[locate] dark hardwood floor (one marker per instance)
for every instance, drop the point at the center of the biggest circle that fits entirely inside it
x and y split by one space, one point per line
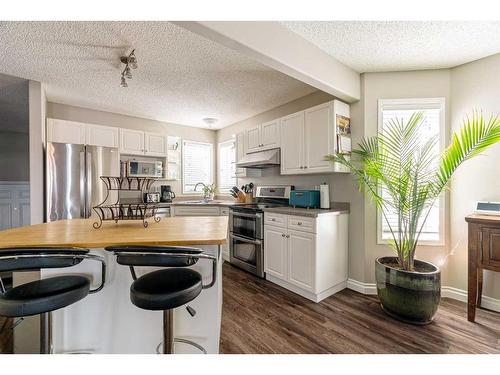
261 317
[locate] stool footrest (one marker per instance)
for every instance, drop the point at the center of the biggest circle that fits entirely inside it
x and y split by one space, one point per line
184 341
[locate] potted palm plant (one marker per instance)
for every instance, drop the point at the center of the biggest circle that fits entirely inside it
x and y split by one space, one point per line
405 177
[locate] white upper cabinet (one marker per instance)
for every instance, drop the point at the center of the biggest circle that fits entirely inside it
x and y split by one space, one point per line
105 136
319 138
63 131
270 135
252 137
263 137
132 141
240 153
292 143
155 144
306 142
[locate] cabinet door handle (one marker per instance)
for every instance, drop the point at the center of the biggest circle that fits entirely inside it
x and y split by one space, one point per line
299 223
287 236
282 234
273 219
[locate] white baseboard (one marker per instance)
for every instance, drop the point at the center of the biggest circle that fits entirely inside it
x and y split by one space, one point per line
446 291
363 288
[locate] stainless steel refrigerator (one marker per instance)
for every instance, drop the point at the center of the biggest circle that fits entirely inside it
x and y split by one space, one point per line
73 179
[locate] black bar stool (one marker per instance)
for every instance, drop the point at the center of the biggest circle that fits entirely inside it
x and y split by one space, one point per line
45 295
165 289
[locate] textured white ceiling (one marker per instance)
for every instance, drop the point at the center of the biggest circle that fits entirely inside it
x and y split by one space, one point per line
182 77
402 45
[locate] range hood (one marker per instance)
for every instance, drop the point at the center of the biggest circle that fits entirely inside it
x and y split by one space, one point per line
260 159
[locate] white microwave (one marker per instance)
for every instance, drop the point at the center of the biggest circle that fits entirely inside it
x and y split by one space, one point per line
145 169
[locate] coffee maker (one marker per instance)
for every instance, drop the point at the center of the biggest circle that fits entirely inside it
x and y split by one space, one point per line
166 194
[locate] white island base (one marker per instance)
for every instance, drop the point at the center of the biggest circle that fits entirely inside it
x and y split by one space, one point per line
108 322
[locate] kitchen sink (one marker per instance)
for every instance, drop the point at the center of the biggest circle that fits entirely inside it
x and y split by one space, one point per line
199 202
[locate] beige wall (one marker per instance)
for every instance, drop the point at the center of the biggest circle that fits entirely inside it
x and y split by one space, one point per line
398 85
475 85
342 186
80 114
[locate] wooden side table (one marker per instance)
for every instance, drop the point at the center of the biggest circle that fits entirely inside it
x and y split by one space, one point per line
483 254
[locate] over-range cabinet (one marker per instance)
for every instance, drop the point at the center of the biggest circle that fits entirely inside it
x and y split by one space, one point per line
73 184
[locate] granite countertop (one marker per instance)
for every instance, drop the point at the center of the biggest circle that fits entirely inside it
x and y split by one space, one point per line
335 208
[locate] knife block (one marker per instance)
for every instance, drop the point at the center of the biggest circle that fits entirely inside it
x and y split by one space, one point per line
244 197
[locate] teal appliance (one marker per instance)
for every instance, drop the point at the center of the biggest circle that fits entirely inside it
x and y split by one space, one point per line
305 198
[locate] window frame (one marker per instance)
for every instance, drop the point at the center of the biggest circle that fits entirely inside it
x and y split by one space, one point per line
219 169
417 104
184 141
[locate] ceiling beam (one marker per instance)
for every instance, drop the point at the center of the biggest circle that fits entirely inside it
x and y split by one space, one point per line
272 44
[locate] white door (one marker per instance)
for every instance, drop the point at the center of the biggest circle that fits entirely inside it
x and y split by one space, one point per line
63 131
318 129
253 139
301 253
240 152
155 144
105 136
292 143
275 252
270 135
131 142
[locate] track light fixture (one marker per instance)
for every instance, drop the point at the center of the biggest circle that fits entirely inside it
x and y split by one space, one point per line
130 61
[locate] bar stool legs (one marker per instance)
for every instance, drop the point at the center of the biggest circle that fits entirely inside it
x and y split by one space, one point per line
46 333
168 332
168 336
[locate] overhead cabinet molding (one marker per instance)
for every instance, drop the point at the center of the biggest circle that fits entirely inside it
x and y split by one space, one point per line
63 131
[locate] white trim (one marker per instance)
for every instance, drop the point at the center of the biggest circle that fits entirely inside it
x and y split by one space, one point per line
315 297
446 292
418 103
184 141
219 146
363 288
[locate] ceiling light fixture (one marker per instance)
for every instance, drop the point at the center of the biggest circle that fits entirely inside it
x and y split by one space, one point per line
210 121
130 61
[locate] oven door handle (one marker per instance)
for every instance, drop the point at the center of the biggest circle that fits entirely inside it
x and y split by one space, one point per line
257 215
247 240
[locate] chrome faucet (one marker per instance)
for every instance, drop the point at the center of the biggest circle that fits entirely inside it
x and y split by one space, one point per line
199 183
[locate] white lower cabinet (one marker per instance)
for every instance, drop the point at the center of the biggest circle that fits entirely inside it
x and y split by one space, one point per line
275 252
312 261
301 253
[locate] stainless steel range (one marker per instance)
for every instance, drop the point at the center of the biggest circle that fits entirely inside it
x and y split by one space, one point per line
246 228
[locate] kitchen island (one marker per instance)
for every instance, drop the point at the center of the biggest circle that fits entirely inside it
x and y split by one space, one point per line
107 322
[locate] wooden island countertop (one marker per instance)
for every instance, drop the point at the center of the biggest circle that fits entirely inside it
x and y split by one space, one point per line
171 231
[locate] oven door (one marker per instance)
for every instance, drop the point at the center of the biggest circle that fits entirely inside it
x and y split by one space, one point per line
247 254
246 224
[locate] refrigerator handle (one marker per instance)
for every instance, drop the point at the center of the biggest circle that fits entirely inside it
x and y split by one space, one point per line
88 177
83 198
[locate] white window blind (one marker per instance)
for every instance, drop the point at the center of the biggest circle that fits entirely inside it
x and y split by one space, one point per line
227 164
196 165
431 127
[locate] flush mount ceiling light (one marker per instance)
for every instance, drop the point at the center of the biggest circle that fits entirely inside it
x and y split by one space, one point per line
130 62
210 121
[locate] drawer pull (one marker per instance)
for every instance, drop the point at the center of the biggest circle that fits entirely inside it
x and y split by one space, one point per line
299 223
287 236
273 219
282 235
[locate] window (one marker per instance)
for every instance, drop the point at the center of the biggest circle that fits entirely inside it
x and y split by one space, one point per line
196 165
434 111
227 159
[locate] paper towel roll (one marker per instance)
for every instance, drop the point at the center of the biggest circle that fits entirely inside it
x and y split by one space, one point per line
324 193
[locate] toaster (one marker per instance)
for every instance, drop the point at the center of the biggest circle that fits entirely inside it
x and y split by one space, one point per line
304 198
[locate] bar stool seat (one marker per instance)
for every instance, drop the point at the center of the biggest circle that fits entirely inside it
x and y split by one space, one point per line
44 295
166 289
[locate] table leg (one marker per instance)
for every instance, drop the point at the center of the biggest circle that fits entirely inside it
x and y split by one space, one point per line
479 286
474 242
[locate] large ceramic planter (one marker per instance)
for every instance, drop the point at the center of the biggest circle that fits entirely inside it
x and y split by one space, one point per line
412 297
